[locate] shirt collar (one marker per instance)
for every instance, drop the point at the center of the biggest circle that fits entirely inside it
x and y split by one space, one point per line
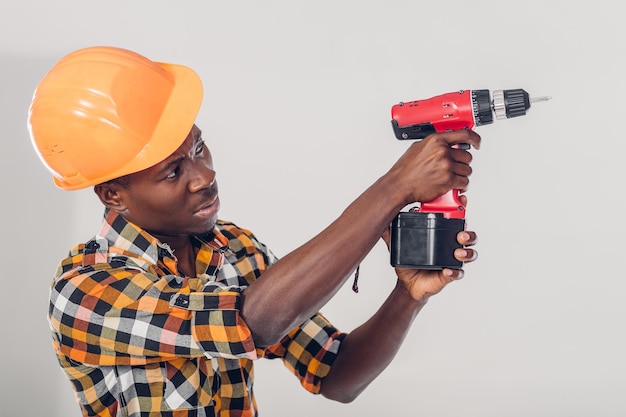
121 233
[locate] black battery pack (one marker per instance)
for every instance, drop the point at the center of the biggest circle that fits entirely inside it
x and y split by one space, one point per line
425 241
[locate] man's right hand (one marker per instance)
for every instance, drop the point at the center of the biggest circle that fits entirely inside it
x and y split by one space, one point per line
433 166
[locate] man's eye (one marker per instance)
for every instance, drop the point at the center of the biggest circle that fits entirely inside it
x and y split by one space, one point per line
173 174
199 148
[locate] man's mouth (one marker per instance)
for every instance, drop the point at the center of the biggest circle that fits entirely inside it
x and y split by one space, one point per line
208 206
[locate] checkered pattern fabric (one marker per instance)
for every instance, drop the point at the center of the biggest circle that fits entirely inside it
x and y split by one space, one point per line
138 339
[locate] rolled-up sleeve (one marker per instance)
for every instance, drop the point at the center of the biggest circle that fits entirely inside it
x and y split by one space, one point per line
309 351
216 323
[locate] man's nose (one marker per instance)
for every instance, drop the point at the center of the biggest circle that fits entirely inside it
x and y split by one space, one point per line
203 176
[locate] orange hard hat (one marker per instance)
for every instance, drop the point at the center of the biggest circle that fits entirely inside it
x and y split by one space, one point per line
104 112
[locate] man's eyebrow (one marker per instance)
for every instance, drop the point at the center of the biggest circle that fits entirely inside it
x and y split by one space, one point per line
168 166
196 140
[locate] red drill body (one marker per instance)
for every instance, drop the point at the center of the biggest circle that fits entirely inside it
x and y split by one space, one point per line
450 111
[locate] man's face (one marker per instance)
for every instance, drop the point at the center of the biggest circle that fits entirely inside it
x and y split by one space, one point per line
176 197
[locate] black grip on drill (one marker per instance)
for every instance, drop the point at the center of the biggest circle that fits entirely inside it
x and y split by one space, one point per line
413 132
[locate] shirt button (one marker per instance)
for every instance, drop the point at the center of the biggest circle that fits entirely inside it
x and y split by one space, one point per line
180 300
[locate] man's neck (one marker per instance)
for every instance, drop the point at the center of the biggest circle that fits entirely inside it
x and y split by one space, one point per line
184 251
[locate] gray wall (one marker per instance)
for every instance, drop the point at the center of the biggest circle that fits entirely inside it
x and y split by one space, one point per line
300 92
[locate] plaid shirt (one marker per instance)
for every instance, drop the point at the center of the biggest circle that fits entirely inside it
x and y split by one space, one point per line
138 339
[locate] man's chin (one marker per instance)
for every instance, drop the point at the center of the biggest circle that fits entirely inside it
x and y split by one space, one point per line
207 226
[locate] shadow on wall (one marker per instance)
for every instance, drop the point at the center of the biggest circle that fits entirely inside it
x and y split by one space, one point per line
36 234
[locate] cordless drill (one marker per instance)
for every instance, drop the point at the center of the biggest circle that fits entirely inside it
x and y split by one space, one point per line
426 236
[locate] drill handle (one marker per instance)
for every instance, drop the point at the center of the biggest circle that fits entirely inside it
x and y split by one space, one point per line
449 204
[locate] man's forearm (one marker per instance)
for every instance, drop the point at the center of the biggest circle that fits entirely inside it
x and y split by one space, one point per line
298 285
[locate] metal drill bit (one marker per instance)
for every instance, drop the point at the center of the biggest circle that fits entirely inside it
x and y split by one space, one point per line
541 98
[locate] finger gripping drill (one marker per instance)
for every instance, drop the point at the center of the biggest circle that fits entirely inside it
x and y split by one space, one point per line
426 237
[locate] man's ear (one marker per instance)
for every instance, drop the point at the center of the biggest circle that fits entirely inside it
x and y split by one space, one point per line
110 195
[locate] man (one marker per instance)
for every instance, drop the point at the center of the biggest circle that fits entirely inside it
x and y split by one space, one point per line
163 312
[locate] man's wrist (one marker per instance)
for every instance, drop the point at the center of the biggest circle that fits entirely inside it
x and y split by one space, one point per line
406 299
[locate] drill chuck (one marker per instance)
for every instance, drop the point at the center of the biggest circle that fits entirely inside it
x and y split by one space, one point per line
510 103
504 104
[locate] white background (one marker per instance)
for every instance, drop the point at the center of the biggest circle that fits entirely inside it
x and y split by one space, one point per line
297 115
